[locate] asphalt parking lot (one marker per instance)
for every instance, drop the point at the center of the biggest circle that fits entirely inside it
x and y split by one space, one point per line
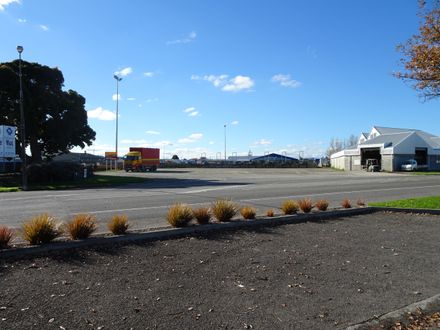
146 204
312 275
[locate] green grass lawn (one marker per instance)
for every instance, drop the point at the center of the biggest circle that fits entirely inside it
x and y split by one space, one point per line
14 183
413 203
426 173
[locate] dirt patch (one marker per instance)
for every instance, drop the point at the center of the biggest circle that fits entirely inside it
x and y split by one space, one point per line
305 276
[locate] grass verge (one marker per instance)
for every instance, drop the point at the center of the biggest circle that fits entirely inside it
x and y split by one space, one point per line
412 203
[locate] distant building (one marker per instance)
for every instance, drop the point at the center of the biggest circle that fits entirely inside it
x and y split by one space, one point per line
78 157
390 147
270 158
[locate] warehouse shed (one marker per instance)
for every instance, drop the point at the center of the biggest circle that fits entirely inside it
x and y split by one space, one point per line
391 147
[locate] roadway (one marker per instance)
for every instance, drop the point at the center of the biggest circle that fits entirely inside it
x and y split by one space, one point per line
146 204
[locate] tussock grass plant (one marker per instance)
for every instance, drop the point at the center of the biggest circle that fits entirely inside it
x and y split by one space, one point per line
81 226
202 215
360 202
223 210
248 212
6 235
322 205
305 205
289 207
179 215
270 213
346 203
118 224
41 229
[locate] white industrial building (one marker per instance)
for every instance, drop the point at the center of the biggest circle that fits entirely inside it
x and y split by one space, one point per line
391 147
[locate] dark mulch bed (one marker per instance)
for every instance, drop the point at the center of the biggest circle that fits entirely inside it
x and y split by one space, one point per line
315 275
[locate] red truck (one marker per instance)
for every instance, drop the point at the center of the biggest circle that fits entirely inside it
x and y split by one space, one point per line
142 159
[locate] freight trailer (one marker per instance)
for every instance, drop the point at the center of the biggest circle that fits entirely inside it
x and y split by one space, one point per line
142 159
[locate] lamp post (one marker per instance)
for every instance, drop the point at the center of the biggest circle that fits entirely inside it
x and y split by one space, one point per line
118 79
22 124
225 141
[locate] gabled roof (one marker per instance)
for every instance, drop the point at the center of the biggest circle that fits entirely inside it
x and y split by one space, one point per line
391 130
388 140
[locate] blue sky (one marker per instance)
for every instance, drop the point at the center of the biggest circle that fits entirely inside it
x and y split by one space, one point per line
284 76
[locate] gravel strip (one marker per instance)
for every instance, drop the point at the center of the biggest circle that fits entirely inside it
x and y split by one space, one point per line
312 275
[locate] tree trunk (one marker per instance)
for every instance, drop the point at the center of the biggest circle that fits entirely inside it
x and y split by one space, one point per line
35 150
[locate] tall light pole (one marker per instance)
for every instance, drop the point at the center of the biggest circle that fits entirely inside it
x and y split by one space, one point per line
22 124
118 79
225 141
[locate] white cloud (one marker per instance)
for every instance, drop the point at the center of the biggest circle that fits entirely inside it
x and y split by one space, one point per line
152 100
130 98
235 122
4 3
193 114
238 83
152 132
149 74
128 141
190 37
44 27
124 72
190 109
261 142
101 114
191 139
116 97
211 142
21 20
285 80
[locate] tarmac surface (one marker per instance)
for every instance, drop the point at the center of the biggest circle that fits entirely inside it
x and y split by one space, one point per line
146 204
312 275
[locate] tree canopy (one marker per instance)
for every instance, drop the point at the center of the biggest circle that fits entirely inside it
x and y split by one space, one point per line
421 53
56 120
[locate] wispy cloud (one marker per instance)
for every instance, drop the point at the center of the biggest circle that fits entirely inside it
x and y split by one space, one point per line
190 37
261 142
149 74
130 98
191 139
44 27
116 97
128 141
193 114
285 81
4 3
235 84
152 132
22 20
190 109
101 114
155 99
124 72
211 142
235 122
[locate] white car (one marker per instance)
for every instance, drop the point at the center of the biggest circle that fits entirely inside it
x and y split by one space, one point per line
409 165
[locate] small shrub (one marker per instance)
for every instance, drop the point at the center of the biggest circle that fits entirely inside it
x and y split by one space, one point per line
322 205
305 205
346 203
179 215
6 235
202 215
270 213
81 226
289 207
224 210
118 224
360 202
41 229
248 212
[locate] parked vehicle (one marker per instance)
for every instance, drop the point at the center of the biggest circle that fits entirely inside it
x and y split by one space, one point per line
411 165
372 165
142 159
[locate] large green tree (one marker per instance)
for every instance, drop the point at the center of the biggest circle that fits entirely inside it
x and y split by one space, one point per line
421 53
55 120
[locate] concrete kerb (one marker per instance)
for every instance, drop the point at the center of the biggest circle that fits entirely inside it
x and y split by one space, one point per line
398 314
170 233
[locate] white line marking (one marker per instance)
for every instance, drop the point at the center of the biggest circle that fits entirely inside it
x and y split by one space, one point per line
210 189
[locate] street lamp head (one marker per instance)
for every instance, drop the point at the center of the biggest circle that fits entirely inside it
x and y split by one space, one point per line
19 49
117 78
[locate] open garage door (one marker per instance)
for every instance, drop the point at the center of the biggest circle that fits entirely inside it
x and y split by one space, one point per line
371 153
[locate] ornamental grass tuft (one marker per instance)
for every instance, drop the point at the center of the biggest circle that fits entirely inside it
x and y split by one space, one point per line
118 224
305 205
346 203
224 210
81 226
270 213
202 215
289 207
248 212
179 215
41 229
6 235
322 205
